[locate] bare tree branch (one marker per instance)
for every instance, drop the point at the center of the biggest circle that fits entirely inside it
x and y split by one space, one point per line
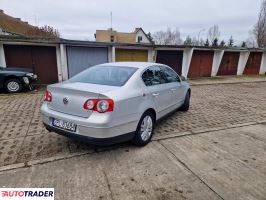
168 37
259 30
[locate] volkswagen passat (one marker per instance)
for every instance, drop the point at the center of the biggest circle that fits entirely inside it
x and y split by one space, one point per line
114 102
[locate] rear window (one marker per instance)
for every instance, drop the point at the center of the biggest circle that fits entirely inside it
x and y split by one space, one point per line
105 75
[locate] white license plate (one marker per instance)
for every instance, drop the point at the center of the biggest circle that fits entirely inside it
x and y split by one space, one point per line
64 125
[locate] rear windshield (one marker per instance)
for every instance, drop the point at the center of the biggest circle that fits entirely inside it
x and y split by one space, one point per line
105 75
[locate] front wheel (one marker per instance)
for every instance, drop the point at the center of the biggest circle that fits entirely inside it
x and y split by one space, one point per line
13 85
145 129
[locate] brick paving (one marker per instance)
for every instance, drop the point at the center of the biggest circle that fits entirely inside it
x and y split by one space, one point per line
23 138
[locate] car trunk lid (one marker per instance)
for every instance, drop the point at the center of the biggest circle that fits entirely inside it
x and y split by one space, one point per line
69 98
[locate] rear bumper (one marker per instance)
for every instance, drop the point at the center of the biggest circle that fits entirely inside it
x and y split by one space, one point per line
91 140
92 129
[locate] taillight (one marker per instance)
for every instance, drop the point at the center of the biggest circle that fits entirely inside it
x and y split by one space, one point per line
99 105
47 96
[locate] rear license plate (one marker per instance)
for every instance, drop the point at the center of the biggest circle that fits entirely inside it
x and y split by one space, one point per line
64 125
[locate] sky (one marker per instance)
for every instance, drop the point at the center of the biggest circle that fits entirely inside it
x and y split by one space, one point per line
79 19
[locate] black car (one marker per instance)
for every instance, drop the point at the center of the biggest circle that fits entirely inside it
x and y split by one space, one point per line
15 79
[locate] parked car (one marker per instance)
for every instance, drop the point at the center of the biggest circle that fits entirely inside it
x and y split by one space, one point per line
15 79
114 102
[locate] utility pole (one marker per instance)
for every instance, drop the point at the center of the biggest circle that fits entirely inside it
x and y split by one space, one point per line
111 20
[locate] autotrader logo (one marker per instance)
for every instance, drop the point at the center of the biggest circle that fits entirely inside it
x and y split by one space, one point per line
27 193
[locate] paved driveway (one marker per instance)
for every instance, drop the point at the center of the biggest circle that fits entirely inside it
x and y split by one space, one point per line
217 150
23 137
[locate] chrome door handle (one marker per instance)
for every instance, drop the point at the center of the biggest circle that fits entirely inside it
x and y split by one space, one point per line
155 94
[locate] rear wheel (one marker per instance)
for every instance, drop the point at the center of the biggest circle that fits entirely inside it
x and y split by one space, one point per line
145 129
13 85
185 106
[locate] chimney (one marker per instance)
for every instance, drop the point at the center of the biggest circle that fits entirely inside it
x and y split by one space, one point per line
136 29
26 22
1 11
18 19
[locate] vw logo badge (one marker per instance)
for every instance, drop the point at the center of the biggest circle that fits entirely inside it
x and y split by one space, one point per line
65 100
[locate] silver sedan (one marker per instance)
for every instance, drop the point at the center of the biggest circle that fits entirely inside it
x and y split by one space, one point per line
114 102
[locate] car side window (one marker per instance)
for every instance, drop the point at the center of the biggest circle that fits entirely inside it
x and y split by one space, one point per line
153 76
170 75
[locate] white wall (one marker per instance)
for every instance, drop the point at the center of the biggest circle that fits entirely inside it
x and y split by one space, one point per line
63 60
144 37
2 56
187 55
263 64
113 55
151 55
218 55
59 64
243 58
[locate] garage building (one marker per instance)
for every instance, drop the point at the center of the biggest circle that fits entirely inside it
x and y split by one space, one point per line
138 55
41 59
171 58
81 58
229 64
201 63
253 63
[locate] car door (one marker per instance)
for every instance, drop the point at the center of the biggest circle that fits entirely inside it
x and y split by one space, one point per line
175 86
156 89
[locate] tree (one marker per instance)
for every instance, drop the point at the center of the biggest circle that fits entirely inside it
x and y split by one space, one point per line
195 41
222 44
259 30
244 44
214 33
251 41
202 42
231 42
207 43
215 42
188 41
168 37
150 37
46 31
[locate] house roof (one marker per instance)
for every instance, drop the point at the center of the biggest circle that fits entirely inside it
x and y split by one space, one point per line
15 26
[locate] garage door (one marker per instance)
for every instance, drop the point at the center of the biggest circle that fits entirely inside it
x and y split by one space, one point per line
201 63
229 64
131 55
81 58
41 59
171 58
253 63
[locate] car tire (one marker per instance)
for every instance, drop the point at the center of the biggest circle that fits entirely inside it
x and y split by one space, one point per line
145 129
185 106
13 85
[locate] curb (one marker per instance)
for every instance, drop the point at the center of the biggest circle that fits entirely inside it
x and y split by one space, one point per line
221 83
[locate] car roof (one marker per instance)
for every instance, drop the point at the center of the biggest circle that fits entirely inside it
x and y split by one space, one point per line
140 65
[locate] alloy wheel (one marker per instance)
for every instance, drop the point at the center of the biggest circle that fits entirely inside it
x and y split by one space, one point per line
146 128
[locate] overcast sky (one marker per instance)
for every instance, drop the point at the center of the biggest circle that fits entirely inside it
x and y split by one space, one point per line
78 19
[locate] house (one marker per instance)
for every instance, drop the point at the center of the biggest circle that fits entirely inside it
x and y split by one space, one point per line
138 36
16 27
